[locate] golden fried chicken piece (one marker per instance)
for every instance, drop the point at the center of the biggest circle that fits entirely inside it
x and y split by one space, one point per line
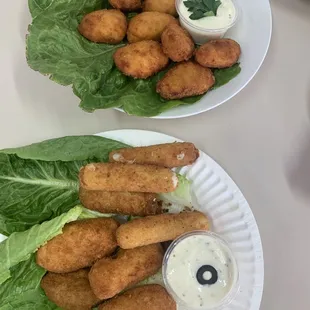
126 5
80 245
148 26
141 59
150 297
110 276
186 79
104 26
177 43
70 290
221 53
163 6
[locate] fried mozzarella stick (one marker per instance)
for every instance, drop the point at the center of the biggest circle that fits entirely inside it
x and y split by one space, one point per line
127 203
69 290
127 178
168 155
159 228
109 276
80 245
150 297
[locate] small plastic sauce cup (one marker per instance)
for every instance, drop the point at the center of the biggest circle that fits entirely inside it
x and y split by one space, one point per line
201 35
175 293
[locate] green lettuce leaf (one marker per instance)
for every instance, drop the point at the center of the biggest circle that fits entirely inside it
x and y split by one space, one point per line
33 191
38 188
19 246
55 48
22 291
68 149
223 76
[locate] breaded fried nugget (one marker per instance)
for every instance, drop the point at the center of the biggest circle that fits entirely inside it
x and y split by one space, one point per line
150 297
126 5
177 43
148 26
168 155
186 79
140 60
127 203
104 26
109 276
163 6
159 228
117 177
80 245
221 53
69 290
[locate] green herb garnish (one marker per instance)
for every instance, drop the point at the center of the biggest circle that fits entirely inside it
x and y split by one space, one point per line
202 8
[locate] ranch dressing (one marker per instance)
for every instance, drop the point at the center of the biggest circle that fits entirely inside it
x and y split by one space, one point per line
210 27
201 271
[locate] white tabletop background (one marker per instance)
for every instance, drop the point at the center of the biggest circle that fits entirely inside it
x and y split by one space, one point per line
261 137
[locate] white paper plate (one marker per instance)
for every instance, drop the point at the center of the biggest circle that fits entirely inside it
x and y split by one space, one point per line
220 198
253 33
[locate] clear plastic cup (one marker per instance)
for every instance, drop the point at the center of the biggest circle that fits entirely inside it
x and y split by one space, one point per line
201 35
174 289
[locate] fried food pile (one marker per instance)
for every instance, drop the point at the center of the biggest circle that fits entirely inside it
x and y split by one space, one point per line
100 261
155 36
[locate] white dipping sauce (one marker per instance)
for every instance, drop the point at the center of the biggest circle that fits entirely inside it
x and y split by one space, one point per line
210 27
187 257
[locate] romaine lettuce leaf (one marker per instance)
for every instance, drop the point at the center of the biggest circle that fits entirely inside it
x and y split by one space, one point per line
68 149
22 291
18 247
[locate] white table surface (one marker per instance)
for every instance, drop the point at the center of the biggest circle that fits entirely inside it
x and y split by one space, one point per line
261 137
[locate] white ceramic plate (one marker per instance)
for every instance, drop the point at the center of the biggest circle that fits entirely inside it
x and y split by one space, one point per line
253 33
220 198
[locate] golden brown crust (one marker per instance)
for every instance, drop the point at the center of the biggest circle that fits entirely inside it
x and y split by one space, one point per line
163 6
127 203
140 60
109 276
168 155
221 53
126 5
104 26
148 26
159 228
80 245
150 297
69 290
177 43
117 177
185 79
